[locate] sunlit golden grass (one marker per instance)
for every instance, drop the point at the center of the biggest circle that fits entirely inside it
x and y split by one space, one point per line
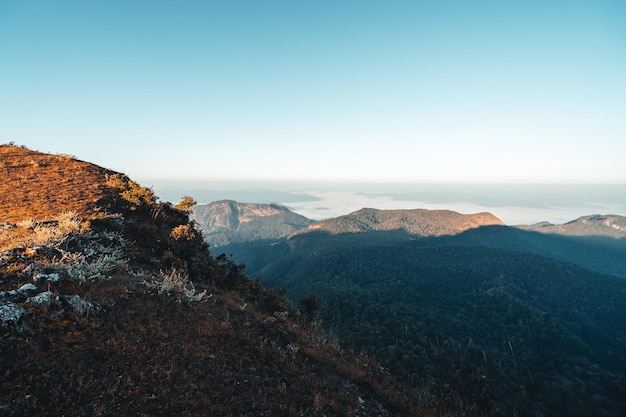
29 233
40 186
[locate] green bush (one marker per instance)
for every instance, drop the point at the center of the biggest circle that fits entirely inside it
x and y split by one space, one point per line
131 191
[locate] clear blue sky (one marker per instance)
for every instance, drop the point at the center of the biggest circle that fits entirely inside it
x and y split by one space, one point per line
402 91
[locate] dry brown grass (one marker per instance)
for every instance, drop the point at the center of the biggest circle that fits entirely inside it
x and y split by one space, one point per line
40 186
29 233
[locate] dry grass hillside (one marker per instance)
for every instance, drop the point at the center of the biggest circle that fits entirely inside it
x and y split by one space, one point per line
39 186
111 304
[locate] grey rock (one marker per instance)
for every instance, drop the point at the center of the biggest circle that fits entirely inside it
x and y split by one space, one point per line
10 312
79 305
27 287
54 277
40 300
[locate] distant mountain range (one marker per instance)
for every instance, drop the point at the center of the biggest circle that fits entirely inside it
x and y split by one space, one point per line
227 222
596 241
530 320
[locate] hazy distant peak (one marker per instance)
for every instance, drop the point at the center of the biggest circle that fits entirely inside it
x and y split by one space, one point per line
228 221
611 221
229 213
416 221
608 225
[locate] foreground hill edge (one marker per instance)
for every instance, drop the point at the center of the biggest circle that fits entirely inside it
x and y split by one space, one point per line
117 307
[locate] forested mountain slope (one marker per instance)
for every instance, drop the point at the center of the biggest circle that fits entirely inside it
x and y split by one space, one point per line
525 333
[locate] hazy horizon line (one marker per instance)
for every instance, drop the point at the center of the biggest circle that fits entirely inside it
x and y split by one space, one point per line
365 183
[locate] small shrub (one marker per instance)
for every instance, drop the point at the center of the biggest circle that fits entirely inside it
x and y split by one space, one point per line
131 191
309 307
176 282
95 257
26 224
184 232
80 268
115 181
68 222
235 273
185 204
88 256
138 195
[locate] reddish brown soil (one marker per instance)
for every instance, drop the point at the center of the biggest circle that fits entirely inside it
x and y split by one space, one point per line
39 186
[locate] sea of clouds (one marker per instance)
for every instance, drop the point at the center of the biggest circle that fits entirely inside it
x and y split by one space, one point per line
513 204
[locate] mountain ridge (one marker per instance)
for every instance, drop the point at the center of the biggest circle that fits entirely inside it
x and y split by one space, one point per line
593 241
421 222
226 222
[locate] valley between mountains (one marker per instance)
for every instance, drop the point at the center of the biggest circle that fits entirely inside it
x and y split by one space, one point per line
527 320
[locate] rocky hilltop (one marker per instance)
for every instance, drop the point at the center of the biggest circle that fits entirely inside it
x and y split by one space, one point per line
419 222
225 222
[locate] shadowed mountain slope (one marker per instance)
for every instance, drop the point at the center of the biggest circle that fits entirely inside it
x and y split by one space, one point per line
477 315
594 251
593 242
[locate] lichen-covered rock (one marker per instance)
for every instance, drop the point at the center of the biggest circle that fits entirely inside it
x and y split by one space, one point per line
54 277
10 312
79 305
43 299
27 287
